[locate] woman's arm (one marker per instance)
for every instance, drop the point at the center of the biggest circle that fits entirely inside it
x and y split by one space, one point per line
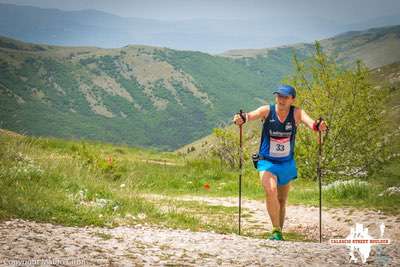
302 116
260 113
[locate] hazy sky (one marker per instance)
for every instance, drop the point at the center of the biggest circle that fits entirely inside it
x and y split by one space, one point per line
338 10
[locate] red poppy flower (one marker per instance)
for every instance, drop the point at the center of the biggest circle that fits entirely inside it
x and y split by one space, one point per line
206 186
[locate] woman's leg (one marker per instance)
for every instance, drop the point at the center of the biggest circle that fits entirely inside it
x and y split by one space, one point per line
269 182
283 192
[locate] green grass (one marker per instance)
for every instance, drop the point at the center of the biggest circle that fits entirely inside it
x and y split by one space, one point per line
75 183
366 194
81 183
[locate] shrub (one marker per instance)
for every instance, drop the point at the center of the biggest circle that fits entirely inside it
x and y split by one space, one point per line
353 108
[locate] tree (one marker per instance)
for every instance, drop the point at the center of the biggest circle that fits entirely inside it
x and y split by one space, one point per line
354 109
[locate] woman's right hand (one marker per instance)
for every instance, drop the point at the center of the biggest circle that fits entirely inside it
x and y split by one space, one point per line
237 119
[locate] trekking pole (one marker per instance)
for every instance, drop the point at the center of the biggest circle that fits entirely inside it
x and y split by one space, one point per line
319 174
240 167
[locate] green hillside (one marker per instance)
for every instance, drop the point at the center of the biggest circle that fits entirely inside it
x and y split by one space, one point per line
389 76
134 95
148 96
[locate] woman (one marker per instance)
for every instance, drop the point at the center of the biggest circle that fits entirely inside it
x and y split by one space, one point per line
276 165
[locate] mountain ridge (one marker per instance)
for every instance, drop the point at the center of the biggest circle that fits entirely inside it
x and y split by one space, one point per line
149 96
98 28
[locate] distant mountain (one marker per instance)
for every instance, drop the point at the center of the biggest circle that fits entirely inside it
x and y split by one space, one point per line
73 28
95 28
375 47
151 96
375 23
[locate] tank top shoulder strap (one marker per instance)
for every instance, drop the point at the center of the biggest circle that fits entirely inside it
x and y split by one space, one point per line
271 112
291 114
266 120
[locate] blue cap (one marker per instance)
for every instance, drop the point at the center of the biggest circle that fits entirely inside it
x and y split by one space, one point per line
286 90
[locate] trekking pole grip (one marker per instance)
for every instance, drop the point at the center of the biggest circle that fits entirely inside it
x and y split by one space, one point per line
242 115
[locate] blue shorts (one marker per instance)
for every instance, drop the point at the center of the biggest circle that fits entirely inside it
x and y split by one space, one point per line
284 171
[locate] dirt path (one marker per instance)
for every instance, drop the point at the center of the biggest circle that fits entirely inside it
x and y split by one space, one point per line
336 223
25 243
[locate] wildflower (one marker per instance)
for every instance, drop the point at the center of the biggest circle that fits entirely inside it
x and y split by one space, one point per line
110 160
122 185
206 186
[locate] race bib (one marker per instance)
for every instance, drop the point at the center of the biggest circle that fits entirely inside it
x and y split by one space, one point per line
279 147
